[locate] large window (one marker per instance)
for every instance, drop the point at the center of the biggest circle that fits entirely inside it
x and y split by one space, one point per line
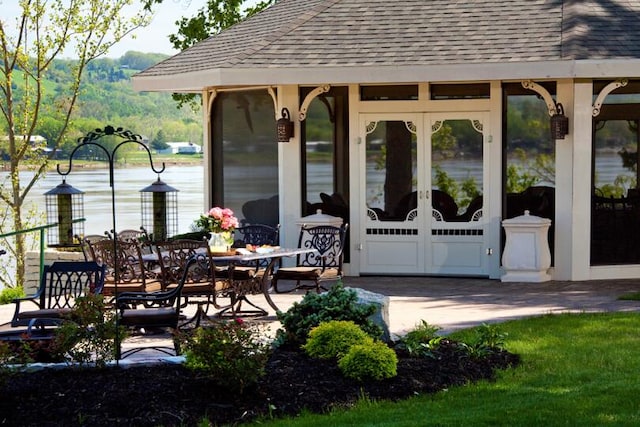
615 207
529 155
244 169
325 159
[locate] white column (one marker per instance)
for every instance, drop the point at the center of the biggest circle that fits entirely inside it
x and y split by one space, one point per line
206 149
289 169
573 184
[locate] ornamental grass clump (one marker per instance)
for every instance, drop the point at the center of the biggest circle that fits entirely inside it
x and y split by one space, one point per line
231 354
375 361
332 340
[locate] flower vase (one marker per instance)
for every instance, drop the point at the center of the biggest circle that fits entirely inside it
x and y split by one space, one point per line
220 242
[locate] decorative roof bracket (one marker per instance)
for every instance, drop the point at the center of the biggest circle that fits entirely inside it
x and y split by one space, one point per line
597 105
540 90
274 97
212 97
307 100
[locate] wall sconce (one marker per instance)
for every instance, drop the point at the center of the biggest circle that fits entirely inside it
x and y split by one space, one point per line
284 127
64 205
159 203
559 123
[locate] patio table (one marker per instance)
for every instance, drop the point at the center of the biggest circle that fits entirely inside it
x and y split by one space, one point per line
257 285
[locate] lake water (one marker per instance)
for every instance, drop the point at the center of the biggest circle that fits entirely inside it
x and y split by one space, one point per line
189 180
128 182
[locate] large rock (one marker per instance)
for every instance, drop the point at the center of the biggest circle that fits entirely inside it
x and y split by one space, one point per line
381 316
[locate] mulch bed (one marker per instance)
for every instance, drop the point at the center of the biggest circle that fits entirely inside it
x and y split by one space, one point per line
168 395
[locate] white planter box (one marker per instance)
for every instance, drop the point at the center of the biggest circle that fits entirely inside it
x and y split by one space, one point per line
32 267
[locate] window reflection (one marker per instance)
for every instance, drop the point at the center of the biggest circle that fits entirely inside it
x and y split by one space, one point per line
456 170
391 168
245 156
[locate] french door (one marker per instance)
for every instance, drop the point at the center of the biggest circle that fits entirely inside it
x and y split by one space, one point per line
424 179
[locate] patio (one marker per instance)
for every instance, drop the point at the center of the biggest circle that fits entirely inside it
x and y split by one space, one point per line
451 303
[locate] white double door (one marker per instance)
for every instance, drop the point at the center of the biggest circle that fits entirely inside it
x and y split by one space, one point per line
423 206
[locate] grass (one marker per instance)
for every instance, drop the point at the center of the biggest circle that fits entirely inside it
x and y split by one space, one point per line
577 369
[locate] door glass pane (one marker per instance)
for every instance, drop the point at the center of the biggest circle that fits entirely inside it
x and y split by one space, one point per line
456 170
391 170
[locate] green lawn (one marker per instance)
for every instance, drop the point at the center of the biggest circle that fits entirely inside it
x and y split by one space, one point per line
577 370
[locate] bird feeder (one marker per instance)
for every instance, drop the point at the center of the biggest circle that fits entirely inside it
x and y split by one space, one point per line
65 207
159 203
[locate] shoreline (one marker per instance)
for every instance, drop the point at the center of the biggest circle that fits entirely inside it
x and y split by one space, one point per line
97 165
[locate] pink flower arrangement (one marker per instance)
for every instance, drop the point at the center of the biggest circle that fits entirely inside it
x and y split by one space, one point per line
218 220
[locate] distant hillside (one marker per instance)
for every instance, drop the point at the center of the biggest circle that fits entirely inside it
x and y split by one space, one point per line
107 97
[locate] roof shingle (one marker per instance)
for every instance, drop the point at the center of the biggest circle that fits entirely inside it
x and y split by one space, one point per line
350 33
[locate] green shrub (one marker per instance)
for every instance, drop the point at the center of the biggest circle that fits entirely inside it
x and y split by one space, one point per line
369 361
336 304
88 333
332 340
229 353
420 341
9 294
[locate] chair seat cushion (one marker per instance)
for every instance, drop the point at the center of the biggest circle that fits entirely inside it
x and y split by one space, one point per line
307 273
110 288
156 316
201 288
298 273
46 313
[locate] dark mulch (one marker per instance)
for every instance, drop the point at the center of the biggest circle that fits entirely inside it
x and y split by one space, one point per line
168 395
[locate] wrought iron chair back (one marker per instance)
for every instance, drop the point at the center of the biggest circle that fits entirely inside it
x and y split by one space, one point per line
131 235
257 235
86 241
173 257
322 265
131 274
61 283
201 286
327 240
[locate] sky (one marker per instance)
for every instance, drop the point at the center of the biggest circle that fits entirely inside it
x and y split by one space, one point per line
151 39
155 37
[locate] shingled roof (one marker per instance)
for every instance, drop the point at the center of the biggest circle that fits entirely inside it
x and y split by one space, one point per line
343 41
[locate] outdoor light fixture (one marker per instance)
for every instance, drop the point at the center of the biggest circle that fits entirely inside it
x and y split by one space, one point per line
285 127
159 203
64 205
559 123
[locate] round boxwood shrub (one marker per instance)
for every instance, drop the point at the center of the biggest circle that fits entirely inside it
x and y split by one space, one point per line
332 340
369 361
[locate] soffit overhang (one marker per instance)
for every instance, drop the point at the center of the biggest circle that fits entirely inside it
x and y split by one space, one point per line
197 81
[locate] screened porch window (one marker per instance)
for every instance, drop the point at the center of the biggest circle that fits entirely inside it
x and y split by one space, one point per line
244 163
615 205
529 156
